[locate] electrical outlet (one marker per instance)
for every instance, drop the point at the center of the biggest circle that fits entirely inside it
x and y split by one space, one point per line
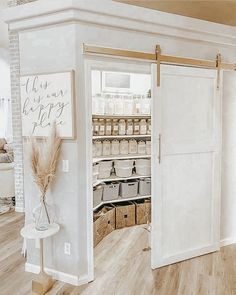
37 244
67 248
65 165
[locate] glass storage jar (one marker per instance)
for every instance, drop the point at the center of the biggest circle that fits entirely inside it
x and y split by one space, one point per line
122 127
142 147
133 146
101 104
119 106
94 150
148 147
98 145
124 147
130 127
137 104
145 105
136 126
108 127
106 148
115 127
143 127
128 105
149 127
109 106
115 147
101 127
95 127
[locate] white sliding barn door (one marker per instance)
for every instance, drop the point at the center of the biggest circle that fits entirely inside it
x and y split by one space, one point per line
186 180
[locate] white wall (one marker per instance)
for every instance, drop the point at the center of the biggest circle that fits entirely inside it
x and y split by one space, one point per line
228 205
57 48
5 89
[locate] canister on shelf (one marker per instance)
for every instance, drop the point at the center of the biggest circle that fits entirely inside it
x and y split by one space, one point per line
149 127
124 147
130 127
94 150
137 104
148 147
122 127
119 105
115 127
98 145
115 147
133 146
101 127
106 148
95 127
108 127
141 147
143 127
136 126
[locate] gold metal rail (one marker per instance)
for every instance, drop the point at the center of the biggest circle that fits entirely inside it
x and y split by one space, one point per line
163 59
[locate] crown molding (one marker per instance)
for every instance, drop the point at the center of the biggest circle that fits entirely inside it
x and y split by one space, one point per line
118 15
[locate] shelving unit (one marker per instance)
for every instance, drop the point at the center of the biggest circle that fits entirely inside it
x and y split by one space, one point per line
120 157
113 177
115 99
120 136
138 197
121 116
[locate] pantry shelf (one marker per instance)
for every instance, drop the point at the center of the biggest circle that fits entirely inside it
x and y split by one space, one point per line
120 136
138 197
118 157
116 178
121 116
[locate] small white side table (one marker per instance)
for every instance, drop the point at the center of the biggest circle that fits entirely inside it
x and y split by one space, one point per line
44 282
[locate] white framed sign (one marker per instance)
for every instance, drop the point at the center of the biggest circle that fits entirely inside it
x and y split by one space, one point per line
45 99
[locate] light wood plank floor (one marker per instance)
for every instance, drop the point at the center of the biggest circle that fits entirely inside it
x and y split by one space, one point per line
122 267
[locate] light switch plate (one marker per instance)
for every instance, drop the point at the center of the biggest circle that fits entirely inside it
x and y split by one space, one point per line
65 165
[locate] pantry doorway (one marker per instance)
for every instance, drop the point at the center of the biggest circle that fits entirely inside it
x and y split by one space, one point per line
119 145
182 120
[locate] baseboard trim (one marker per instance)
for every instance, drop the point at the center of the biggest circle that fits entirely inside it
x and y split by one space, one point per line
19 209
60 276
228 241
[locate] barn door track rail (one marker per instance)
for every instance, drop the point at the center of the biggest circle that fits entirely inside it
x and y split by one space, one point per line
159 58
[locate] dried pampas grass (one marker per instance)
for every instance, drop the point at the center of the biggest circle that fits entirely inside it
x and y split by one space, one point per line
44 160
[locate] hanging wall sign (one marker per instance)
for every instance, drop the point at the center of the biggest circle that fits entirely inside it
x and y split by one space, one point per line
47 98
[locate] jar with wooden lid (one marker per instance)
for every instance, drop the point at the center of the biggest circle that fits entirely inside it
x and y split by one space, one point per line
130 127
122 127
137 104
149 127
98 146
141 147
133 146
101 127
136 126
124 147
95 127
106 148
115 147
115 127
148 147
143 127
108 128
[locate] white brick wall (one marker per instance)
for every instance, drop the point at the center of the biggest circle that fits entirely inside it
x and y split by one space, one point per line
16 113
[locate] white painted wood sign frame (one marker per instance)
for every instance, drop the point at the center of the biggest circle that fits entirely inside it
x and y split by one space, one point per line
48 98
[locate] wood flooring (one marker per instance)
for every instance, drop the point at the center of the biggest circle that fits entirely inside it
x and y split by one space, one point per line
122 267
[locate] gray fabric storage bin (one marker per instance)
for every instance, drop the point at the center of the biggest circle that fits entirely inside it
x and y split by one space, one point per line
145 187
111 191
97 195
129 189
